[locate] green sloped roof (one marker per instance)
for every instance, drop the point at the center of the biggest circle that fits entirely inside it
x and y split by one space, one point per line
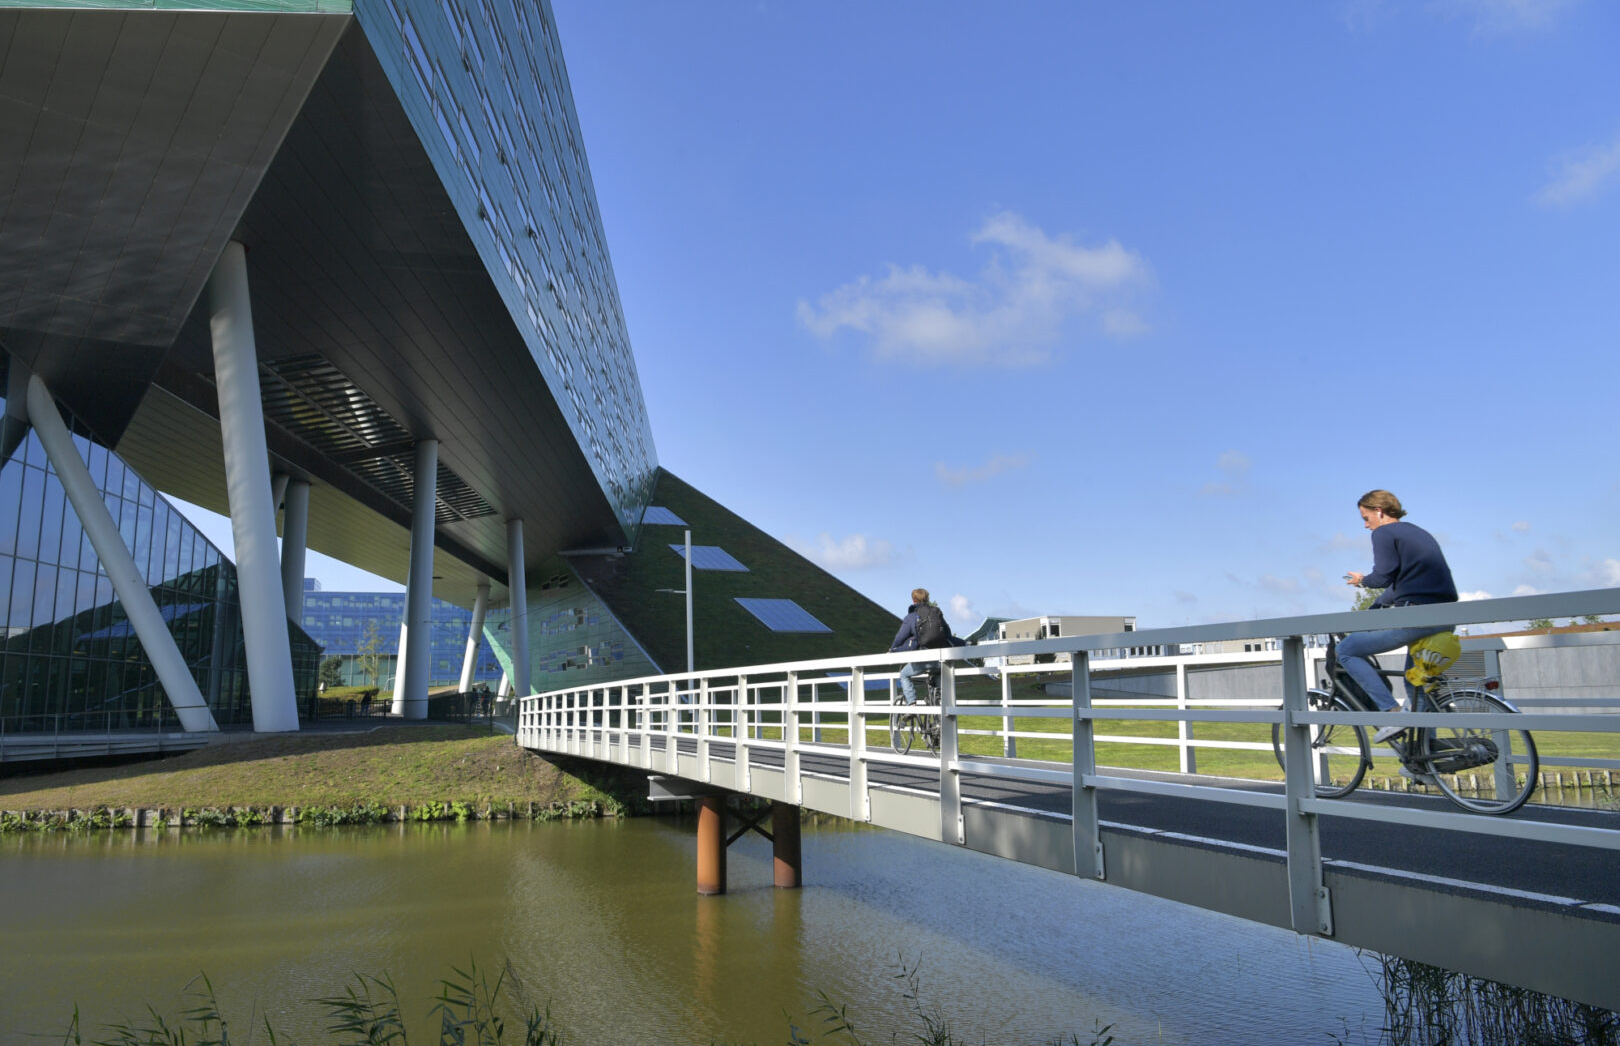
726 635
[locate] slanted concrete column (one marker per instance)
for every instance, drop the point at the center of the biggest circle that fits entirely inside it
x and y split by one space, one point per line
294 541
139 606
278 489
417 655
475 634
711 845
518 586
253 524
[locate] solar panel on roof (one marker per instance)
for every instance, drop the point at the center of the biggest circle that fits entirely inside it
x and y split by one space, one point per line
782 615
710 557
663 516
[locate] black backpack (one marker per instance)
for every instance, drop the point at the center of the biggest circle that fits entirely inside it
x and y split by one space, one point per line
931 630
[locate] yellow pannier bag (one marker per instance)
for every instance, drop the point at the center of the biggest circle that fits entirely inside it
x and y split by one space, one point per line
1431 656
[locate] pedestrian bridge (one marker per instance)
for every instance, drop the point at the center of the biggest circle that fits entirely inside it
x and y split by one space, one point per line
1532 898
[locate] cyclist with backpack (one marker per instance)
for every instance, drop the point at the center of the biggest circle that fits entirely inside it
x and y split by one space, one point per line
923 628
1409 566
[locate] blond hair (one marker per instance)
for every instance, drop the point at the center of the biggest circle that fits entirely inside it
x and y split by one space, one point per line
919 595
1382 501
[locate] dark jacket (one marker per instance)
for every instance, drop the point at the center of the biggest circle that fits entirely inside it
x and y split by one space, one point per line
906 638
1409 566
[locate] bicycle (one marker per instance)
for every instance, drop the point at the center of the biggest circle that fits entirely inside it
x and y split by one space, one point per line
1437 755
906 729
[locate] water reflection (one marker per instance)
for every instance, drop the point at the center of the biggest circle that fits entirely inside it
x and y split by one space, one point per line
602 919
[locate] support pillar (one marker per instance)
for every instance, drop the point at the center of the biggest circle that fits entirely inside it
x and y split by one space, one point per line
518 589
787 864
139 606
711 845
417 655
475 635
398 706
294 541
253 525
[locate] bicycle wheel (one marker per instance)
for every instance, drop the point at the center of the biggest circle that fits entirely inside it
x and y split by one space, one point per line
1468 762
928 727
1341 752
900 732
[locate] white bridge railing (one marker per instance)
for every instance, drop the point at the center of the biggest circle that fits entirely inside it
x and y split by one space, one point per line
806 708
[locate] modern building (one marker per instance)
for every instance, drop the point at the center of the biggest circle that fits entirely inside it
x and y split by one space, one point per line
335 268
354 625
1053 625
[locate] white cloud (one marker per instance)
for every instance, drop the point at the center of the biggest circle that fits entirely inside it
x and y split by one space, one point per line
1539 561
1234 468
1184 597
1608 572
1342 542
855 552
1522 526
1581 175
1469 597
998 463
961 608
1008 316
1526 590
1493 17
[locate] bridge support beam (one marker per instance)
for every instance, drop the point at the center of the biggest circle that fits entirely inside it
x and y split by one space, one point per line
711 845
787 862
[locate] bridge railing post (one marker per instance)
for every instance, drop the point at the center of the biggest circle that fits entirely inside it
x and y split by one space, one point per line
1309 904
740 725
1009 743
860 800
793 784
702 725
951 825
1088 851
1184 731
672 727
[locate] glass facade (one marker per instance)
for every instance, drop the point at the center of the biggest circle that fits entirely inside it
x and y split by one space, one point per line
69 657
484 85
573 638
345 622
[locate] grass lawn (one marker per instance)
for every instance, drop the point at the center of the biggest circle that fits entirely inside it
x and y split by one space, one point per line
390 765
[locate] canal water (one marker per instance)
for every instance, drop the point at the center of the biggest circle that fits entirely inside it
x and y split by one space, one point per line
600 920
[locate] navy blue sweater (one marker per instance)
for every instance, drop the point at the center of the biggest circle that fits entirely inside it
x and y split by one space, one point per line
1409 566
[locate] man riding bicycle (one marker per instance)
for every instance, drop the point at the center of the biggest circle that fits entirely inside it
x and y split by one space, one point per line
922 628
1409 566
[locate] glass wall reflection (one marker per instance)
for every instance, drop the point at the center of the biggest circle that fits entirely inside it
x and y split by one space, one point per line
69 658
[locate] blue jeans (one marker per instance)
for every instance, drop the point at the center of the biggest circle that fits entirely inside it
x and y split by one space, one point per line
1356 648
915 668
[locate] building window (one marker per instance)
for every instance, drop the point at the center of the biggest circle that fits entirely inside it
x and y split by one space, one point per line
710 557
662 516
782 615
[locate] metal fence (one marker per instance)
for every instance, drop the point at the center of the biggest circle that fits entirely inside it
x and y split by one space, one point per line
798 709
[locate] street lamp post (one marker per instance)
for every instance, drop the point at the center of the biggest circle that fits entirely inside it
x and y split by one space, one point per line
687 592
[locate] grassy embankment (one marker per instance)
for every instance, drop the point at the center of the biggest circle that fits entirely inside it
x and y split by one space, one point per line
429 770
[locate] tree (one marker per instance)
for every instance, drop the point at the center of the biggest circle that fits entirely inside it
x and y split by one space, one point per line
1592 619
366 652
1540 622
332 670
1365 600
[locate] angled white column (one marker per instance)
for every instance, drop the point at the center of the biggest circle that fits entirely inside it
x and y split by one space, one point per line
247 480
294 541
399 665
469 661
139 606
518 587
278 489
419 585
504 688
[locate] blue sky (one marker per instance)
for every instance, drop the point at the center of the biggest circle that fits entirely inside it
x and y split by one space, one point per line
1117 308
